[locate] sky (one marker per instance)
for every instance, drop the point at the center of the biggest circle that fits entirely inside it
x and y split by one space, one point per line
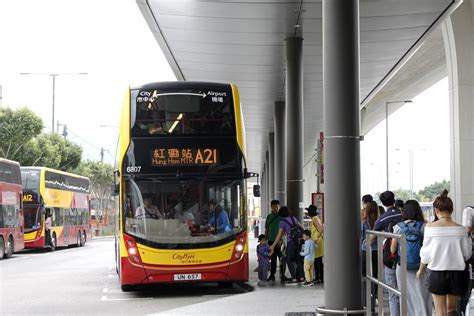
421 127
110 40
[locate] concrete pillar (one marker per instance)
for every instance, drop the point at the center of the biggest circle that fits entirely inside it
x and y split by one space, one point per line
294 121
458 37
280 152
271 165
267 179
342 154
263 190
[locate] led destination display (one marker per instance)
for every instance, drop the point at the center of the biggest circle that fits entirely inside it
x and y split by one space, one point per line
184 156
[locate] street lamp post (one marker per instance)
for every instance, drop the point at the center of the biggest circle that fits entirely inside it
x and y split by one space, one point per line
118 138
386 134
411 168
54 75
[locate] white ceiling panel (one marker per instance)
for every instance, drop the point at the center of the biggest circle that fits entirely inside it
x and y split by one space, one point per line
244 42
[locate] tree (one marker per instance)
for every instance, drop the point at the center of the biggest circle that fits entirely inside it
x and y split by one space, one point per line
101 178
429 193
402 194
17 128
51 150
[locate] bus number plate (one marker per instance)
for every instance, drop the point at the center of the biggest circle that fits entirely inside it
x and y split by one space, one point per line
187 277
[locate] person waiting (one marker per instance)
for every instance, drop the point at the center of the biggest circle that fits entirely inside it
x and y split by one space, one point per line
317 235
446 248
263 258
272 223
294 261
308 255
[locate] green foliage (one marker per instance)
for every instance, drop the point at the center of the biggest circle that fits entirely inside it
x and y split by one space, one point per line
427 194
17 128
402 194
51 150
430 192
100 175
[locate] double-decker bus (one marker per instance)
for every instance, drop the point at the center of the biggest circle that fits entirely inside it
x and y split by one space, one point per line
11 212
64 196
182 185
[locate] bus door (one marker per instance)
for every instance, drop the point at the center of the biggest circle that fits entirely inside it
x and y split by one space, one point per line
65 224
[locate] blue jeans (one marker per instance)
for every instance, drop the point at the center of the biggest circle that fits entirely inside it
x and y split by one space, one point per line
393 300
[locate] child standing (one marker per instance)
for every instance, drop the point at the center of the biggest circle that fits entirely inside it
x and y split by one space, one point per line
263 258
308 254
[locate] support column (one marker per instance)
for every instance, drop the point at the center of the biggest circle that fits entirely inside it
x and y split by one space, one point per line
294 121
280 152
271 165
263 190
459 47
267 179
342 154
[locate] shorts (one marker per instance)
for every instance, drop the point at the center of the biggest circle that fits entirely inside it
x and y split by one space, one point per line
448 282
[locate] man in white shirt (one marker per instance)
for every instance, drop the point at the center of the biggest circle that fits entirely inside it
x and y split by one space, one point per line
147 210
468 222
468 218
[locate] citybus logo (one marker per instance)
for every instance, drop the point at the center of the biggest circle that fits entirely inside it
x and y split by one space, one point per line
183 257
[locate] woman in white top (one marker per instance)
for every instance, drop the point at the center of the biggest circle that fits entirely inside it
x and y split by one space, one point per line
446 248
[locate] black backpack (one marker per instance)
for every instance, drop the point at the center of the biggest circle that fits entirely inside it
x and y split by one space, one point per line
296 231
389 259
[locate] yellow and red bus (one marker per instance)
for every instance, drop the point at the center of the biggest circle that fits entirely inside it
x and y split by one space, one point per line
182 185
63 195
11 212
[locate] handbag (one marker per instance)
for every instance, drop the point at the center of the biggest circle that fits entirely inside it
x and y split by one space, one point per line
426 278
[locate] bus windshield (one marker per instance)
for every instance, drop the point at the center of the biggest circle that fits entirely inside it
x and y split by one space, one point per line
187 112
32 217
182 212
30 179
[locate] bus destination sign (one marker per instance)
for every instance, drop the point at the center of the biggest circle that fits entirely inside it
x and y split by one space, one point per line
205 156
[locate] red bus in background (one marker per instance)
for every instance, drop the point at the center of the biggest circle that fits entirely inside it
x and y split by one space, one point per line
63 195
11 208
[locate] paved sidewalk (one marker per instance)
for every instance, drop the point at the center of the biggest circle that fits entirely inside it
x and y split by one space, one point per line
271 299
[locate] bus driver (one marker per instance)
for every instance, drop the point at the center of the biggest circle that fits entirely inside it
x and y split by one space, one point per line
147 210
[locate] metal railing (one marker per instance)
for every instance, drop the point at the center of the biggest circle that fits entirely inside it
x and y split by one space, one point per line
345 311
402 293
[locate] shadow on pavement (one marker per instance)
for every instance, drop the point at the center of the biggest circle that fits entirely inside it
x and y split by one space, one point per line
189 289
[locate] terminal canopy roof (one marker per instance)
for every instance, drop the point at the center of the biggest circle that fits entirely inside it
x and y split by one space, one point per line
243 42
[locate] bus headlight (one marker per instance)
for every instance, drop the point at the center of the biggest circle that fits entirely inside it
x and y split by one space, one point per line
239 247
132 251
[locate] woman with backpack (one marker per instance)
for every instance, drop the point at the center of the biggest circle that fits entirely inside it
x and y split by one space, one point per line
412 226
291 227
446 248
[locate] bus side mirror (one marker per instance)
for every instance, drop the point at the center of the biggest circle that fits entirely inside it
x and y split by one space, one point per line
256 190
115 187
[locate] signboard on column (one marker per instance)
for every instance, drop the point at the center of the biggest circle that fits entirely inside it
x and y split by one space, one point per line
317 199
321 157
